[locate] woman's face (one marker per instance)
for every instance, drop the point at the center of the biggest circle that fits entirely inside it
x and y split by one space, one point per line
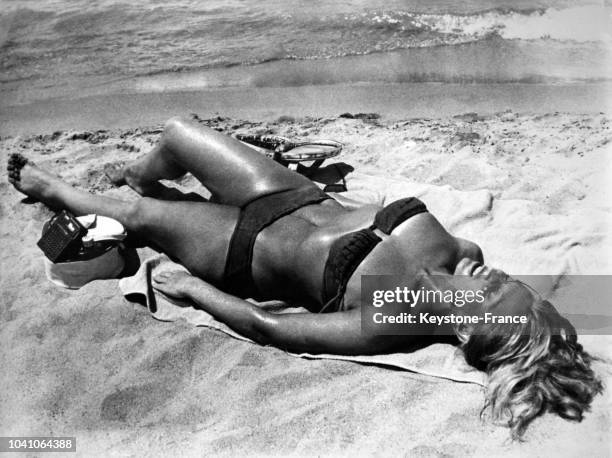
503 294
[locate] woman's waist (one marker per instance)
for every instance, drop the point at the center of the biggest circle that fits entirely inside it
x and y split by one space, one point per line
317 273
291 265
291 258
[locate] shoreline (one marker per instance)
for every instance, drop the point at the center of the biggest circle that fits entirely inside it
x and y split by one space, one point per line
393 101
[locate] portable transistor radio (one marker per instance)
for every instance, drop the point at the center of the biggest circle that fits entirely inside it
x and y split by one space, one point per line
62 236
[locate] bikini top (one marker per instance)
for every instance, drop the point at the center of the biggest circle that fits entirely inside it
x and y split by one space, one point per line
348 252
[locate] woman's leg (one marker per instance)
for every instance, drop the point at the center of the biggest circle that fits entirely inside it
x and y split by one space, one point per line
234 173
197 234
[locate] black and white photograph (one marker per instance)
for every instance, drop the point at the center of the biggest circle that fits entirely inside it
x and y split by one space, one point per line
306 228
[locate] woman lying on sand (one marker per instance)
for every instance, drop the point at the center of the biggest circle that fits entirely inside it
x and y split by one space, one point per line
270 233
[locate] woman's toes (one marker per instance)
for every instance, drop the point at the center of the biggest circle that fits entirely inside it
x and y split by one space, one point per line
17 160
15 163
115 172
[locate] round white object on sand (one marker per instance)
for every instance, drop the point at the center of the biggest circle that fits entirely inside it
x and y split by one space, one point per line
75 274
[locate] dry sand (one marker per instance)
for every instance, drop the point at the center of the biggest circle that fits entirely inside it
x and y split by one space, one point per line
89 364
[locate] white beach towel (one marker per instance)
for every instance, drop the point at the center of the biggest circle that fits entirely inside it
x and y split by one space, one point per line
438 360
504 228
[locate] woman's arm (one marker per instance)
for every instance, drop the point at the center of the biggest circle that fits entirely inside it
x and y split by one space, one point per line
337 333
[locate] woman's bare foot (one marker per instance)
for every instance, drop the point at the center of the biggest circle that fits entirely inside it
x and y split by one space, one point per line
130 174
29 179
114 171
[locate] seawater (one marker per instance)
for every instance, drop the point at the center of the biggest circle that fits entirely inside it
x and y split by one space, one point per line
72 45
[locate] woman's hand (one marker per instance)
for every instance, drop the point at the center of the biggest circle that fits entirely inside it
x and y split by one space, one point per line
173 283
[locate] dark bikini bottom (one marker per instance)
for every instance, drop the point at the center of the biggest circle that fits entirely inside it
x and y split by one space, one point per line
255 217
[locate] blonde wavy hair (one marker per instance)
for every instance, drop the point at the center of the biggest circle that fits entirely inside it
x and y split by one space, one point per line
533 368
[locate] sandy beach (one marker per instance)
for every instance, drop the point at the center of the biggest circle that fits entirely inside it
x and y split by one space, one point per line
90 364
